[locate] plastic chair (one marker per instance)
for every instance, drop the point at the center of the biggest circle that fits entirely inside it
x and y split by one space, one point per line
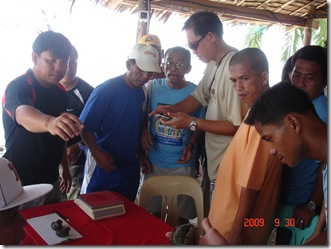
169 187
298 237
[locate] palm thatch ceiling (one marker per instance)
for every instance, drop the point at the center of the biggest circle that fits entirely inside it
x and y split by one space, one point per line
290 13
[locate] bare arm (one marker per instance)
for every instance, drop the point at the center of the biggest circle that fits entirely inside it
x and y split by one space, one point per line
248 198
220 127
319 229
66 179
187 105
301 211
103 159
66 125
181 120
317 194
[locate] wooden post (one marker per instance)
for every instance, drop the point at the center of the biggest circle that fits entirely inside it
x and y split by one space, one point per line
308 27
307 34
144 11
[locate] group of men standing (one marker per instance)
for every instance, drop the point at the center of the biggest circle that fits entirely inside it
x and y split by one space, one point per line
244 177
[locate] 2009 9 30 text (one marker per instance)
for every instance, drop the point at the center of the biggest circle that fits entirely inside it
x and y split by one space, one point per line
259 222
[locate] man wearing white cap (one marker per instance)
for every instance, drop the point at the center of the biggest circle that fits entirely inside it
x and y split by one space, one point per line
13 194
113 118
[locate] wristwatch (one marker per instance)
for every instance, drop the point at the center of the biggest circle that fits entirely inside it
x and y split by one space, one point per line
193 125
311 206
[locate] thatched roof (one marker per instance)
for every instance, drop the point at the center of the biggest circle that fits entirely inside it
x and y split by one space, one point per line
265 12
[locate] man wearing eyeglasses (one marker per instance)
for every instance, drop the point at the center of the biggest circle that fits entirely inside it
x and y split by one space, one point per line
204 33
171 151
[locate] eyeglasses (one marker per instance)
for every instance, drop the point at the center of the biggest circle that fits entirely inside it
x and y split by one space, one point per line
194 45
177 65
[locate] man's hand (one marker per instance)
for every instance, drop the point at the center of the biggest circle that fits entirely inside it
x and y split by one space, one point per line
212 236
104 160
65 126
302 216
161 109
179 120
144 162
146 139
187 154
66 179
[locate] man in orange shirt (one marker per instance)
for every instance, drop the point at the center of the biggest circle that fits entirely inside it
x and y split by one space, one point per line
248 179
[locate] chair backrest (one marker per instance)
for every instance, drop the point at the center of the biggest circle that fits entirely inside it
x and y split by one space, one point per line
169 187
299 237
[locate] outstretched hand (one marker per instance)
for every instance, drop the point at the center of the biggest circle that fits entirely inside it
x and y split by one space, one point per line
65 126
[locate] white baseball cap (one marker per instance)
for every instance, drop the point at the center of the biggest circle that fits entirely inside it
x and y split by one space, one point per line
12 193
146 57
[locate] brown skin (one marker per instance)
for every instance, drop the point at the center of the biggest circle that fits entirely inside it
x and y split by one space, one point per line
210 48
319 236
301 211
308 76
211 236
134 77
175 80
11 227
70 81
48 71
300 136
248 85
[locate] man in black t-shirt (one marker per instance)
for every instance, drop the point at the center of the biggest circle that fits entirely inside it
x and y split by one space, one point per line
34 119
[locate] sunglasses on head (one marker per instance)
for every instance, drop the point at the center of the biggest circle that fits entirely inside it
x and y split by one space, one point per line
194 45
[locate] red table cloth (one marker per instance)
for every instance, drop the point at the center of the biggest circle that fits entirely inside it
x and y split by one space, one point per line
135 227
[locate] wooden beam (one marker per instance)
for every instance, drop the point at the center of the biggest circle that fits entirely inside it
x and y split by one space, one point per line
305 6
263 4
241 2
233 11
321 5
284 5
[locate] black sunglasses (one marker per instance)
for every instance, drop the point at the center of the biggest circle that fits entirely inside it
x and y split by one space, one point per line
194 45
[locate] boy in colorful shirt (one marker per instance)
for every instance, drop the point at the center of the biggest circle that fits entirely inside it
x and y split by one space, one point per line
171 151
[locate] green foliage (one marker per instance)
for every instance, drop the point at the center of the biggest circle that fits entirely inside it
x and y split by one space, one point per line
292 42
254 36
320 36
293 39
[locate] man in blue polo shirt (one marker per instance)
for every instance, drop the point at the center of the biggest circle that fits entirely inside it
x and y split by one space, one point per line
113 118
